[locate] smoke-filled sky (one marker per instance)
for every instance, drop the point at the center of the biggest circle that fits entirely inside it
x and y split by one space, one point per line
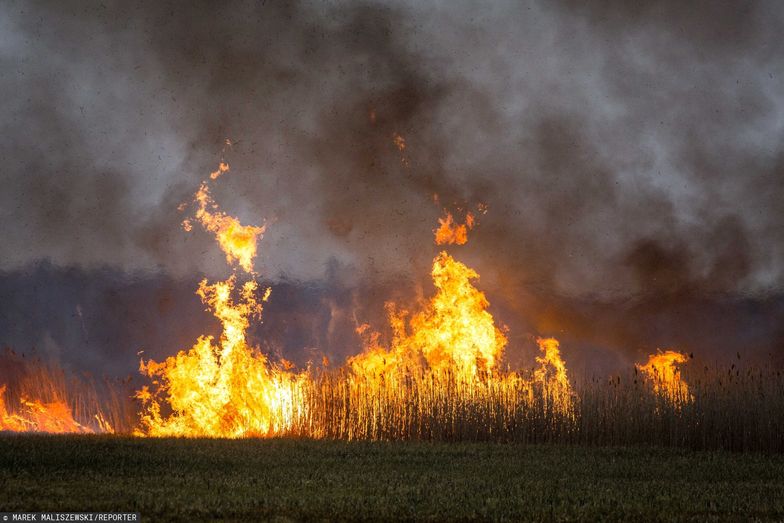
625 150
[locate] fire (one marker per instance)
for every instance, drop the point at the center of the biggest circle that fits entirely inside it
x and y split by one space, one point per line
223 167
446 352
451 233
400 143
237 241
449 351
551 375
227 388
451 346
452 332
442 358
662 369
53 416
37 416
224 387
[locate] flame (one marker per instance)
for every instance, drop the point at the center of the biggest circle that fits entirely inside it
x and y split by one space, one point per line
223 167
452 339
237 241
451 233
449 347
551 375
36 396
443 356
452 332
35 415
662 369
223 387
400 143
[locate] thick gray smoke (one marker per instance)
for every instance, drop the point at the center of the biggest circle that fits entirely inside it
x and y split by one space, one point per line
630 157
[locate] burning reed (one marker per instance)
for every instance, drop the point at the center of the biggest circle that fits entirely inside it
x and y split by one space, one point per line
730 409
38 396
439 378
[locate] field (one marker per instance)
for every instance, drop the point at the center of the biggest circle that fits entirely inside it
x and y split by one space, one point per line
291 479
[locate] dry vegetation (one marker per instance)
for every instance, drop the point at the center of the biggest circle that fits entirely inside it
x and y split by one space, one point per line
440 377
739 410
732 410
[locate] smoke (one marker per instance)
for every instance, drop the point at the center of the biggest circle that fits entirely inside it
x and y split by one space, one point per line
630 156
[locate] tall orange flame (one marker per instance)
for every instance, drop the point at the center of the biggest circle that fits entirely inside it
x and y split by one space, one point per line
226 388
453 331
221 387
662 369
453 337
551 375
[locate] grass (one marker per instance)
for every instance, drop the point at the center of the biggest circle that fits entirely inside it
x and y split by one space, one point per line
290 479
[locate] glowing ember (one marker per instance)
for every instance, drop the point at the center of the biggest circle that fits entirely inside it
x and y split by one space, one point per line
223 167
400 143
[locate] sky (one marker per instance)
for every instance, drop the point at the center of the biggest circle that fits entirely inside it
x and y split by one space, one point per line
624 151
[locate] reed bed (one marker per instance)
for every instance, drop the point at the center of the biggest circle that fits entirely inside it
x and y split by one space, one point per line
730 409
722 410
41 396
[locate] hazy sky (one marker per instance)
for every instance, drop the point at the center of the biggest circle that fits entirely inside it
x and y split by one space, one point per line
620 150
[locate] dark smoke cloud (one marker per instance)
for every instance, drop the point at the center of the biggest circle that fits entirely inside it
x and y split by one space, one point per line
104 321
629 153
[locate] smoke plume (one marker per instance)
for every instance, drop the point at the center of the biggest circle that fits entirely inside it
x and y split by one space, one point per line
630 157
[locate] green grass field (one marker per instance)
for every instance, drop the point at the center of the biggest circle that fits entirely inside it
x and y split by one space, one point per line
285 479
